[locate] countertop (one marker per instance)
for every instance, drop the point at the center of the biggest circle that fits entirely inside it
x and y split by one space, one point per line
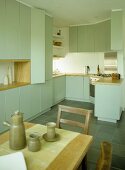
108 80
102 80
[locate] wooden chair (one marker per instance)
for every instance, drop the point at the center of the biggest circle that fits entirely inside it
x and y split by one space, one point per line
76 111
105 159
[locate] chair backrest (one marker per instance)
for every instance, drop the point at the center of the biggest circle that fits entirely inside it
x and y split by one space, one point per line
105 158
84 124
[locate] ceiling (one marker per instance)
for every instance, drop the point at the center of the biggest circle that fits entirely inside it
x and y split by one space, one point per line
75 12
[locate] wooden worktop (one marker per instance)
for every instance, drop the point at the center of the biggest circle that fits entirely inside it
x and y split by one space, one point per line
109 80
102 80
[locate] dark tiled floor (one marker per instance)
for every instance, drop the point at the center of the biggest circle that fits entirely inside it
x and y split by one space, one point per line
114 133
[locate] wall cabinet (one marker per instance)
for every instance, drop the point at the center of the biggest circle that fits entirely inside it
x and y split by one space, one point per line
117 30
15 30
74 88
48 47
59 89
102 36
2 29
73 38
25 32
85 38
90 38
12 29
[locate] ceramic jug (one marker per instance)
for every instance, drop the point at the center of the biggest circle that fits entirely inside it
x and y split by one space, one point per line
17 137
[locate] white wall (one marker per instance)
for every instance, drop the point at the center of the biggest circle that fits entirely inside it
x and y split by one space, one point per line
75 62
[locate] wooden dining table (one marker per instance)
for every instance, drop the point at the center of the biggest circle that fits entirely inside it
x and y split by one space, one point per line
66 153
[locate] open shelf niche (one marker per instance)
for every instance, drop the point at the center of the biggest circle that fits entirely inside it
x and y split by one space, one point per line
21 75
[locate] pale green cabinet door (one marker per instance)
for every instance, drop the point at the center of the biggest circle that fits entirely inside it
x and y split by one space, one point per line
25 31
37 46
73 39
11 102
46 95
25 101
2 29
2 111
86 88
12 29
116 30
86 38
59 89
48 47
108 35
74 88
35 99
100 37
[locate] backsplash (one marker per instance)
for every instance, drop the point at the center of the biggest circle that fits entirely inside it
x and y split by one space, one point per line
75 62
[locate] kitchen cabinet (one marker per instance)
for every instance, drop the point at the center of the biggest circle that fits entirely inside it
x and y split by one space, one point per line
86 38
48 47
73 38
46 95
25 101
86 89
35 99
74 88
25 32
11 102
2 112
2 29
108 102
12 29
117 30
90 38
37 46
102 36
59 89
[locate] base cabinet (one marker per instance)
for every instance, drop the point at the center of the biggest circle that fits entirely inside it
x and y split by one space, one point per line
2 111
59 89
108 102
11 102
46 95
25 101
74 88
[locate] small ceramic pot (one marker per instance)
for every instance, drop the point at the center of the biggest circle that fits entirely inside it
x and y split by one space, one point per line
34 144
51 130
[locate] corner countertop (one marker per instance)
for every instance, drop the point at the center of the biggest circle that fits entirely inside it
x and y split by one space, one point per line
109 81
102 80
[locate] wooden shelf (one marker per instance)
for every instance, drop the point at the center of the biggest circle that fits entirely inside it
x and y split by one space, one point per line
13 60
13 85
22 74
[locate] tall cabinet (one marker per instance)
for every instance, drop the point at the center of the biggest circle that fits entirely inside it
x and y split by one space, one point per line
24 32
48 47
37 46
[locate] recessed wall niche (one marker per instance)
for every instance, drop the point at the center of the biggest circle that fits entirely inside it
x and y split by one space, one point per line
14 73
